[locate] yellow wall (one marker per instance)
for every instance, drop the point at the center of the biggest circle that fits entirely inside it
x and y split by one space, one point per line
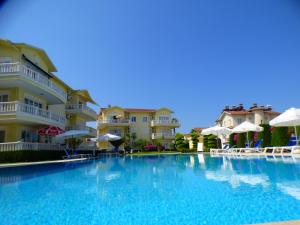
8 51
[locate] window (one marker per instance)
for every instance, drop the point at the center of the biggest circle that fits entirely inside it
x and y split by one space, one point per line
239 120
145 119
29 136
2 136
133 119
163 119
28 101
3 98
5 59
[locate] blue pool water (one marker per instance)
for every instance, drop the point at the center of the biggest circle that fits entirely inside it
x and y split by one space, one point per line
180 189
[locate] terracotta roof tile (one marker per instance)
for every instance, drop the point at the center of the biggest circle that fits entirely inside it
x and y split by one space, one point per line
135 110
139 110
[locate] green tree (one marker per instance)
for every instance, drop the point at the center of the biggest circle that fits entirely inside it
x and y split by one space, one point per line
180 143
241 141
140 144
280 136
195 139
231 140
251 138
209 141
265 135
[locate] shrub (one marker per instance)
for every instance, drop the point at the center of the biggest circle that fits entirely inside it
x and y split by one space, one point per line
195 139
241 141
231 140
180 143
151 147
280 136
140 144
209 141
265 135
251 138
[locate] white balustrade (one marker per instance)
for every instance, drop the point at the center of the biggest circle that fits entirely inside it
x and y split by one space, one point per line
25 109
81 107
33 75
163 135
19 146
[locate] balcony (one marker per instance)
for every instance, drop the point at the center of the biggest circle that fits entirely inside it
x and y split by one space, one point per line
28 113
92 131
21 146
88 113
163 136
113 123
165 123
32 79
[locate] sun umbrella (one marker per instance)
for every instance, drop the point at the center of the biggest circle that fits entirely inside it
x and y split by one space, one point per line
109 137
72 134
50 131
246 127
216 130
289 118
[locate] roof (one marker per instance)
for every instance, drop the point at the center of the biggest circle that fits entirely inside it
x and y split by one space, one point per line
85 95
41 53
138 110
245 112
198 129
273 113
238 112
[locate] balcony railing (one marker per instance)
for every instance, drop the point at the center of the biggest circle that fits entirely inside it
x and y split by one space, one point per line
163 136
19 146
33 75
114 122
29 110
81 108
172 122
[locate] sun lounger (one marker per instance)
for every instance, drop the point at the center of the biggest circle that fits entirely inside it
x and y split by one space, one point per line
256 149
292 148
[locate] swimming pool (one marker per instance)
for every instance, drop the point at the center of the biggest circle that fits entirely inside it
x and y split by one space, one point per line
173 189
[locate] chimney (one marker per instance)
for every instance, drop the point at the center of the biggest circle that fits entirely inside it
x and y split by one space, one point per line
241 106
254 105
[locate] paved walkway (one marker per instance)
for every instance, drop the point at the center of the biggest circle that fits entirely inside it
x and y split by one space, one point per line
4 165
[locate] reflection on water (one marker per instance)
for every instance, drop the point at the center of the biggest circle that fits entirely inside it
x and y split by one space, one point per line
233 170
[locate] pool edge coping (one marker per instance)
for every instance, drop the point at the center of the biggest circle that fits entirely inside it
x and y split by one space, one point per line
7 165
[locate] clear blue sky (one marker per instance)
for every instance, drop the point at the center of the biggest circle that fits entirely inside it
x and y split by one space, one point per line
193 56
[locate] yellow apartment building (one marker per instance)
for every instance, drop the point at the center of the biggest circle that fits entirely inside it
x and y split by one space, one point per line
78 113
32 97
148 124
